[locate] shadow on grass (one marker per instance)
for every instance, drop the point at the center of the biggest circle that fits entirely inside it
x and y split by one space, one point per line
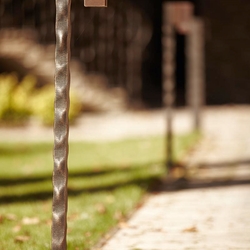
20 149
94 172
39 196
127 176
131 175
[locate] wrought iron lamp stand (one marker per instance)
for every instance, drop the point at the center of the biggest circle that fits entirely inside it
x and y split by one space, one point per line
61 124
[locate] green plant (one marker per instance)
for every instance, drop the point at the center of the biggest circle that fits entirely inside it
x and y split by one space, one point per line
43 105
20 100
14 98
21 96
6 86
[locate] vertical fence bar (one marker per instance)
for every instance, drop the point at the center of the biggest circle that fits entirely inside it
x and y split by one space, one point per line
168 76
61 125
195 70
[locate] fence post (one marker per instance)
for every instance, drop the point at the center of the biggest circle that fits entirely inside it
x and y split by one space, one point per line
168 69
195 70
61 124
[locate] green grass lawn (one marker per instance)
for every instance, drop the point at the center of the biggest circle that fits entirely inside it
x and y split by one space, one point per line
106 182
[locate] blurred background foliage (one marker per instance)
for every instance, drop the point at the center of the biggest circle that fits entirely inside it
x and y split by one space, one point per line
21 100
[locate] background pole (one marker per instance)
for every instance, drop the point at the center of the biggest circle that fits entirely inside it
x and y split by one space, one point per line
168 43
196 70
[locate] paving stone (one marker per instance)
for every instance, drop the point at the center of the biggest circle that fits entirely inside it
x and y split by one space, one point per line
213 217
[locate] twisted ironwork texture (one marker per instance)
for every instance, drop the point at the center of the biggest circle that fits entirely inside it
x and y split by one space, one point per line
168 75
61 125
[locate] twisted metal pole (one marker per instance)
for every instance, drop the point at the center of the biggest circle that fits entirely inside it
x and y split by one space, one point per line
168 76
61 125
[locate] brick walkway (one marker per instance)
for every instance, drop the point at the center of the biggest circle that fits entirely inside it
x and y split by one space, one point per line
214 211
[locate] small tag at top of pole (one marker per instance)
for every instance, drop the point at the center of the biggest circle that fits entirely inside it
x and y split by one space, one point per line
95 3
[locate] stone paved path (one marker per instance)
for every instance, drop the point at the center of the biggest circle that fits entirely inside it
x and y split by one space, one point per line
214 212
116 125
103 127
200 219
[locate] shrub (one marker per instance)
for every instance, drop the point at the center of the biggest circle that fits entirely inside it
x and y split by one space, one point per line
20 100
14 98
6 87
43 105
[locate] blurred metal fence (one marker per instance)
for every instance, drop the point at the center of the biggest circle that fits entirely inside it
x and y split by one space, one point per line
108 41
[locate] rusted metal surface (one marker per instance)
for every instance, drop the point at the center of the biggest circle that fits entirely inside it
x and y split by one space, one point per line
95 3
168 76
61 125
183 13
